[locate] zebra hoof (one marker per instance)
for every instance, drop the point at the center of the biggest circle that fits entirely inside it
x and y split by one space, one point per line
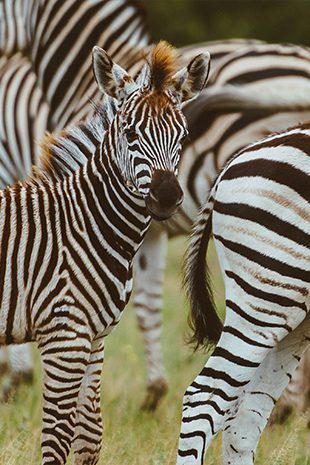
155 392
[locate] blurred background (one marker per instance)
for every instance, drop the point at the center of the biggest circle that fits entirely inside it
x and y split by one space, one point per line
186 21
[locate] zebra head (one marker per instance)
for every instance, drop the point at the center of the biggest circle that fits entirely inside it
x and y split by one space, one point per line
150 123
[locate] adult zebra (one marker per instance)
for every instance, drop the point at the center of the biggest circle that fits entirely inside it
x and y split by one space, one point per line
68 241
49 100
270 73
258 212
46 74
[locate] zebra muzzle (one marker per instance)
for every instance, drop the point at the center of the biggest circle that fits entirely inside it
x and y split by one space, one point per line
165 195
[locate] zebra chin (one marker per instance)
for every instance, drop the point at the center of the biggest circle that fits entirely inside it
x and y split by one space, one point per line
160 215
165 195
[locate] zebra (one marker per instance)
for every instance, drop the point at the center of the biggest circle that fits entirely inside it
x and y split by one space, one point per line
215 134
46 78
51 103
258 212
68 240
38 93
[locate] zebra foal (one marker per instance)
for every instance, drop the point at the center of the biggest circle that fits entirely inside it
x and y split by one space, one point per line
68 240
258 212
46 82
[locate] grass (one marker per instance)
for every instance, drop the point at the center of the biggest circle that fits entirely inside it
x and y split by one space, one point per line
132 436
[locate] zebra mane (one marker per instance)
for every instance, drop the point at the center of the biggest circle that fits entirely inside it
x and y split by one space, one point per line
163 64
64 153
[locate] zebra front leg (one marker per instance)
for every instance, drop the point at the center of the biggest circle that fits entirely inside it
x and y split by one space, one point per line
19 367
243 430
64 360
88 429
148 279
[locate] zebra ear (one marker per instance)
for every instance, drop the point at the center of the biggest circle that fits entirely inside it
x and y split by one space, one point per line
111 78
190 81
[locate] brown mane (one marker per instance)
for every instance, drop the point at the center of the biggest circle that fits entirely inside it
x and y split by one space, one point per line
47 153
164 64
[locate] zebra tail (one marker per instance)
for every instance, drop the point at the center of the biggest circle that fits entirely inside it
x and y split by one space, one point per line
203 318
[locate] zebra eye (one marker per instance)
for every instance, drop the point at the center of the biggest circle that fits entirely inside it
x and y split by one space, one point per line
131 135
184 138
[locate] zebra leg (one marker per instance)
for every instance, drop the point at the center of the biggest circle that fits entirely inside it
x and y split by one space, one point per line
3 360
19 368
212 397
20 363
215 395
297 393
243 430
64 363
149 274
88 429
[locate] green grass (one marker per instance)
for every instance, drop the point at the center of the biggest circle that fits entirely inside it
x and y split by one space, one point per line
131 436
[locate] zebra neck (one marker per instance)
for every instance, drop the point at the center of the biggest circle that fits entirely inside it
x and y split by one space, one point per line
115 208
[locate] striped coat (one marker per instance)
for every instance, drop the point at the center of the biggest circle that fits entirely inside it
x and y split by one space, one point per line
68 241
264 75
49 100
258 212
37 92
38 63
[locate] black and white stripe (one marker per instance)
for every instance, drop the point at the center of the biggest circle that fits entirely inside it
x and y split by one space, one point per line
297 393
46 82
258 212
265 75
67 241
215 133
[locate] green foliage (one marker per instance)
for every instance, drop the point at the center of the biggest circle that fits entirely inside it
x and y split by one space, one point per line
183 22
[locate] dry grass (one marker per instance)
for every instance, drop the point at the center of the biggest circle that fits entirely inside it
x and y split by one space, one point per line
132 436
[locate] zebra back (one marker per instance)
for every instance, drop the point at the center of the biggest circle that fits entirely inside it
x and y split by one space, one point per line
46 71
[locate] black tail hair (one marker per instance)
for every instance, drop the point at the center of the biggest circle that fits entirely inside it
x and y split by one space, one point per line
203 318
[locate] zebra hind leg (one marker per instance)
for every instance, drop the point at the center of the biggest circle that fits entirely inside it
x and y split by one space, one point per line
88 429
217 392
297 393
213 397
64 362
148 281
243 430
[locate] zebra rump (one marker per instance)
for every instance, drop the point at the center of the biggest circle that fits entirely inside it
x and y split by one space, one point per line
259 214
